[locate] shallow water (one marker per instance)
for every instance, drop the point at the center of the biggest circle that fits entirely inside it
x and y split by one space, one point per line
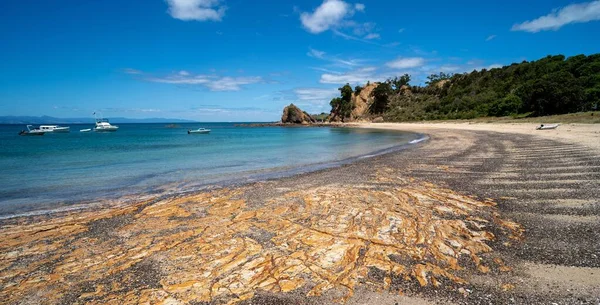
45 171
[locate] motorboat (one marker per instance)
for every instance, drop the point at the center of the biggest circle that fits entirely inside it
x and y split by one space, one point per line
85 130
102 125
199 131
55 129
31 131
545 127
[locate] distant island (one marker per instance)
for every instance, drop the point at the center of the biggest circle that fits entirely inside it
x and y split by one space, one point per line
52 120
549 86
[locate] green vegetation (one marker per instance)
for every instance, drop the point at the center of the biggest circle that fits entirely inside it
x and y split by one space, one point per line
550 86
343 105
322 117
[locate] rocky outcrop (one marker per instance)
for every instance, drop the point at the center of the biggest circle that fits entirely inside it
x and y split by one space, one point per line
294 115
362 101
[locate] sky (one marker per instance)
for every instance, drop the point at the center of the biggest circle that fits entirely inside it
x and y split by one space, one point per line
243 61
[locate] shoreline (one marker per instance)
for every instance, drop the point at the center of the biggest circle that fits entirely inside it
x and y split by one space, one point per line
482 168
248 177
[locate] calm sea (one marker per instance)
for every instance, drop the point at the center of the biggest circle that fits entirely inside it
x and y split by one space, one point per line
42 172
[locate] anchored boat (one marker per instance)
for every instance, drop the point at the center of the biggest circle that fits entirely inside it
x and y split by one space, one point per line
199 131
103 125
31 131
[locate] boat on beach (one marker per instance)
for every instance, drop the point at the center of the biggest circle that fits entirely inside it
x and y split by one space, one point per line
102 125
55 129
31 131
545 127
198 131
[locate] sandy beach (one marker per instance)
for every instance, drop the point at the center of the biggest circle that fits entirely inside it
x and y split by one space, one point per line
479 213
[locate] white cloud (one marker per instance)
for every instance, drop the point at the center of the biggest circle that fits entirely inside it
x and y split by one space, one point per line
359 76
406 62
372 36
199 10
330 14
184 73
212 82
490 37
315 53
574 13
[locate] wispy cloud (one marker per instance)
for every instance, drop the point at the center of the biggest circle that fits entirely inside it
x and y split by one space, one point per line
315 53
372 36
198 10
211 82
359 7
132 71
350 37
401 30
406 63
358 76
490 37
339 62
574 13
316 95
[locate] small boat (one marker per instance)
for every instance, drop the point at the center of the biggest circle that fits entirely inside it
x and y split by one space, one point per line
55 129
102 125
31 132
199 131
85 130
545 127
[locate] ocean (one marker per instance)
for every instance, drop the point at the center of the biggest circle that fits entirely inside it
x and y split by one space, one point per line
57 170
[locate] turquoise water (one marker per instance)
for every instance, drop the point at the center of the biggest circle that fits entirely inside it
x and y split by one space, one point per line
41 172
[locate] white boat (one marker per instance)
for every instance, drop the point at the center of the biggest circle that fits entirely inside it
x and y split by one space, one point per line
544 127
31 131
85 130
55 128
199 131
102 125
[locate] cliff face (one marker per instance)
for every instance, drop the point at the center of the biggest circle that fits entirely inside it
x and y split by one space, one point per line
292 114
361 101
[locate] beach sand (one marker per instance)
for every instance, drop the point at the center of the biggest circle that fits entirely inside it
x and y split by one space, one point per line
480 213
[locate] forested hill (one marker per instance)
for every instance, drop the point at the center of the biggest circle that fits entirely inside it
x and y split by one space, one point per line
551 85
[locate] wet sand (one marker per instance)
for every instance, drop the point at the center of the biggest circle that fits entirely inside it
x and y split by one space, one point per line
471 216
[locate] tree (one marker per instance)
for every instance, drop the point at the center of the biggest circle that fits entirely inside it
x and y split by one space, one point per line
381 97
434 78
358 89
343 105
398 82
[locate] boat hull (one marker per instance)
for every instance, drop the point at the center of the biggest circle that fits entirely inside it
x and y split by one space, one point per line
547 127
109 129
29 133
198 131
62 130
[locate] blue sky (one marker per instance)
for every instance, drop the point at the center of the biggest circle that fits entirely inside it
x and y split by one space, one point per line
233 60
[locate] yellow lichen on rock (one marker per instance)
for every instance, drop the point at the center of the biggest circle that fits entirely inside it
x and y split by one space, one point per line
213 246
